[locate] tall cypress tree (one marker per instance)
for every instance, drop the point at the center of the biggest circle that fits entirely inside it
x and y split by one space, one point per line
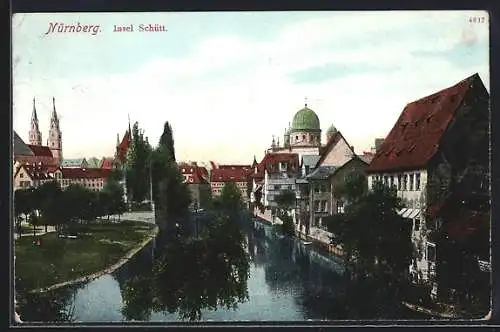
138 160
170 194
167 140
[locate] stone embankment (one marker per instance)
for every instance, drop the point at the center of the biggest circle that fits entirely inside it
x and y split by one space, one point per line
108 270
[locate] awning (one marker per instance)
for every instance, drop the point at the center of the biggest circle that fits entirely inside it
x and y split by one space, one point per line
406 214
414 214
402 211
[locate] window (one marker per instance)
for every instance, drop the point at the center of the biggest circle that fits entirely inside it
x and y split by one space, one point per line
325 206
316 188
21 175
431 252
316 206
323 188
399 182
340 207
386 180
417 224
276 187
417 181
405 181
391 181
411 182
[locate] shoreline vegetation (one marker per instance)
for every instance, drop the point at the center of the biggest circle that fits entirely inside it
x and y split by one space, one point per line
100 249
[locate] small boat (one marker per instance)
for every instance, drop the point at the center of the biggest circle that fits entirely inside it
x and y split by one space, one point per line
306 243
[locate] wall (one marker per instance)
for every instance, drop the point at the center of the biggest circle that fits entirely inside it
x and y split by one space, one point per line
338 155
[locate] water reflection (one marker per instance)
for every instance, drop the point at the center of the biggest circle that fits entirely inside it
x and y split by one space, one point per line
191 275
53 306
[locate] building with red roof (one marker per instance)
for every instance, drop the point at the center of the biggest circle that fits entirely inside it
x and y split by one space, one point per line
273 175
34 175
222 174
438 146
197 180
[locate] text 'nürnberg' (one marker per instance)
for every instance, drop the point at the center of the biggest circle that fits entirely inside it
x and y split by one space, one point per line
74 28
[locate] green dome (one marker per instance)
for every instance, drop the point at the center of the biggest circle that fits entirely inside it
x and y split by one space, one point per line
305 119
331 131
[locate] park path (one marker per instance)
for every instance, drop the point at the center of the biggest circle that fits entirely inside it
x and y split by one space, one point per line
39 231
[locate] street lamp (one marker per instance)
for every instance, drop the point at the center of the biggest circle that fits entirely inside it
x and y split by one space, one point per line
151 187
195 207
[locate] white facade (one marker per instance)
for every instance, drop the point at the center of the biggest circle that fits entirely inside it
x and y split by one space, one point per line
411 188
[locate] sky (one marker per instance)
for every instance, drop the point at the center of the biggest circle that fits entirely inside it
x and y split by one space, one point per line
228 81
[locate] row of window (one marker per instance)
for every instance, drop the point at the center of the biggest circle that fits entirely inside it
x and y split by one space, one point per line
321 188
311 138
283 187
402 182
321 206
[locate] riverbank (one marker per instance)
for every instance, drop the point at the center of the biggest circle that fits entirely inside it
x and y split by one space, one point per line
100 249
316 240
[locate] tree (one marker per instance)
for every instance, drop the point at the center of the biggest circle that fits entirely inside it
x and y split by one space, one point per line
112 198
353 187
375 238
170 193
286 202
230 197
50 202
138 165
167 140
23 204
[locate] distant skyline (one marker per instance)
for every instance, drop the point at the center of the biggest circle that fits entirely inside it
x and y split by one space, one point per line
228 81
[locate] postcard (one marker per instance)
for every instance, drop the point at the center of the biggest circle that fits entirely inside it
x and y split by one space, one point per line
287 166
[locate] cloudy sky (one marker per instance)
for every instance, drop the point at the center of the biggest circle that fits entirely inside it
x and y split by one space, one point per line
229 81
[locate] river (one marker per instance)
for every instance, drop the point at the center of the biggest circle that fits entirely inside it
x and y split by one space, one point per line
288 281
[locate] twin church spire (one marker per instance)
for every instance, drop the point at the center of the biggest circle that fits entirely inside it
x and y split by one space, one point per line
54 141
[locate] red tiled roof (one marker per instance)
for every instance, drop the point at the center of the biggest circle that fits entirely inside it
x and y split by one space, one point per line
228 175
415 137
85 173
107 163
36 172
122 148
272 159
40 151
193 174
331 143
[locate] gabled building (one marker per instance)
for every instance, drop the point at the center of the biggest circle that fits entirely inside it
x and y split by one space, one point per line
198 184
91 178
31 176
315 194
273 175
438 149
34 175
107 163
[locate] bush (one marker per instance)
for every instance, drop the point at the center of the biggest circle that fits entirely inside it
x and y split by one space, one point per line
142 206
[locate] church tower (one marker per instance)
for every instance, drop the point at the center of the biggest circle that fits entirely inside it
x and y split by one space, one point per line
55 136
34 133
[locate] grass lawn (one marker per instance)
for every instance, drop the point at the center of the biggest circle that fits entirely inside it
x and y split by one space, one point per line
58 260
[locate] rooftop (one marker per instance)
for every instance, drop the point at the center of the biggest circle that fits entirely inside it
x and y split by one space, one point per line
416 135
